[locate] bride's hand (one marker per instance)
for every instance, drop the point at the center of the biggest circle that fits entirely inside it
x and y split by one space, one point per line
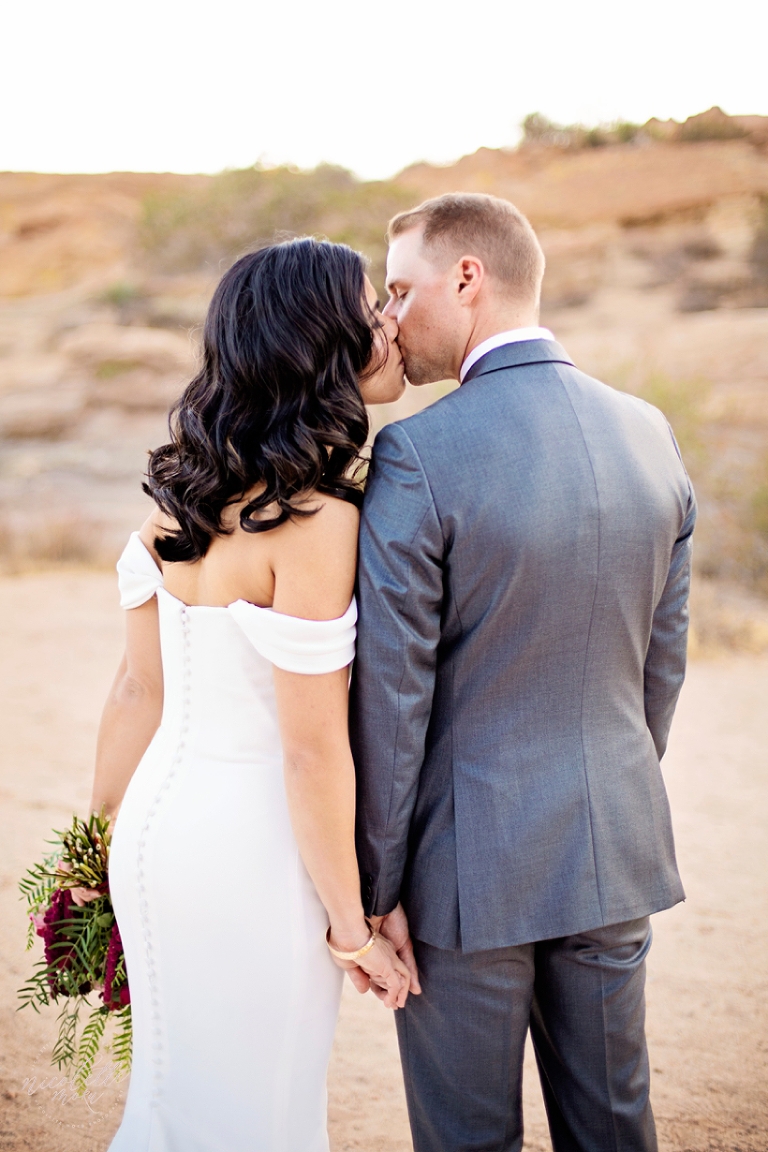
380 968
389 977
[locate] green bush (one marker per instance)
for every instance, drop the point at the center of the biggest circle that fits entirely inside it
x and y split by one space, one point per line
239 210
731 539
538 129
596 138
625 131
121 294
682 402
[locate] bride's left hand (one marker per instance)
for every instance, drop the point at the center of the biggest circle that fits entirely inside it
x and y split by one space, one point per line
361 980
381 970
389 977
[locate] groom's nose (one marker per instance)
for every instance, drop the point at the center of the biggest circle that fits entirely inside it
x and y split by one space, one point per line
391 326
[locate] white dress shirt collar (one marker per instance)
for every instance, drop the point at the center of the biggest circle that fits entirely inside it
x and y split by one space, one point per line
514 336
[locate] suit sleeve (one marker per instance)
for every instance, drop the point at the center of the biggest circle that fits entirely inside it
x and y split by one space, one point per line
400 594
666 657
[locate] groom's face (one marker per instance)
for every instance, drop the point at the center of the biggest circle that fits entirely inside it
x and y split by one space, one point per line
422 300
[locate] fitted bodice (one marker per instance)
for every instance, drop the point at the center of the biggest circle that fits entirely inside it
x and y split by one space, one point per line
219 696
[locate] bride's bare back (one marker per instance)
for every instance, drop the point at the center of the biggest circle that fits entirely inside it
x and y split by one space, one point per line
305 567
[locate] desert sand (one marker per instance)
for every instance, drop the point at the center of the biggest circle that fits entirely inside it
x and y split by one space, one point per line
708 980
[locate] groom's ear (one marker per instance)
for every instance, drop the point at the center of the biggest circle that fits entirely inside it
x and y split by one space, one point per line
470 274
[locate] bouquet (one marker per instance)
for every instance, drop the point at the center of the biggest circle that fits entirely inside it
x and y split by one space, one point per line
69 906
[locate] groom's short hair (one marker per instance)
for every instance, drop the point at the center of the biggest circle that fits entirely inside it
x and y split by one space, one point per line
474 224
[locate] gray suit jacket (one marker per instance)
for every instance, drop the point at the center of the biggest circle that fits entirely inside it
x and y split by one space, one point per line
523 586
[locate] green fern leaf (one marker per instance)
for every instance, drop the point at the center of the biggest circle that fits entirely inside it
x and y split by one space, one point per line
122 1042
88 1048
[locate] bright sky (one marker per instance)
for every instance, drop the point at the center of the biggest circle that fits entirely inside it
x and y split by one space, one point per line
185 86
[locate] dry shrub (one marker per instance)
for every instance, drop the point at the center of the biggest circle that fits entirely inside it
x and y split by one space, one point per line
731 538
683 402
759 253
66 540
760 508
725 619
755 519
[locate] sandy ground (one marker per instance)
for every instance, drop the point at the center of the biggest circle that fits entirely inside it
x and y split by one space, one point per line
708 1015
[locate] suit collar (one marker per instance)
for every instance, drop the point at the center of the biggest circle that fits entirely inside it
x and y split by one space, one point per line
516 355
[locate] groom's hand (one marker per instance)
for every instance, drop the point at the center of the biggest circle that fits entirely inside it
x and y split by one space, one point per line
394 927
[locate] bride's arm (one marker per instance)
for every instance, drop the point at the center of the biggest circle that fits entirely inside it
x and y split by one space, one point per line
132 712
320 786
314 565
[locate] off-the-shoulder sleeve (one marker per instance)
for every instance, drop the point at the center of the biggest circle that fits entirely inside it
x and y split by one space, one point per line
138 576
295 644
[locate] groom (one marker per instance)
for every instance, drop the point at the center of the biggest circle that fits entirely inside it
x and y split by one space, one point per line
524 572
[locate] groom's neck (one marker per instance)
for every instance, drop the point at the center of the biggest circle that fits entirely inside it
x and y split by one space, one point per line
502 318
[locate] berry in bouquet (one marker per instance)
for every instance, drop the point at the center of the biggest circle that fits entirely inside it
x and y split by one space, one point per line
69 906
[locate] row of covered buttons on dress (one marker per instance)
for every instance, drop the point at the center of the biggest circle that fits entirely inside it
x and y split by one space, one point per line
157 1032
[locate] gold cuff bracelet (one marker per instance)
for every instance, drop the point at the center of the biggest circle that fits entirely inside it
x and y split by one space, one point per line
353 956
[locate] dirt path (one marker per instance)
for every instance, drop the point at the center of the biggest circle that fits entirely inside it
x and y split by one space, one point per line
708 981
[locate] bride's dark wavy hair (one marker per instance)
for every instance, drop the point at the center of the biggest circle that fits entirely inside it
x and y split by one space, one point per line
276 402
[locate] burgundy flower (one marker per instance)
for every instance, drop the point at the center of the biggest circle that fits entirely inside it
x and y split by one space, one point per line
59 952
116 993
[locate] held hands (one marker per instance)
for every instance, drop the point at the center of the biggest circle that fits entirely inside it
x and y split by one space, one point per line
394 927
387 965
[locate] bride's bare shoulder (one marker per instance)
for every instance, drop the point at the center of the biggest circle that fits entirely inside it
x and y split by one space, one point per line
315 558
332 520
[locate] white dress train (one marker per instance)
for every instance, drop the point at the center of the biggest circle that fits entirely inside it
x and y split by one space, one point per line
233 991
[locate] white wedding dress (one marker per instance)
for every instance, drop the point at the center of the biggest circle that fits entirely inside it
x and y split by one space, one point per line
233 991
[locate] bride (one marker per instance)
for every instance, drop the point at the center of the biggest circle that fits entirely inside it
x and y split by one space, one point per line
223 744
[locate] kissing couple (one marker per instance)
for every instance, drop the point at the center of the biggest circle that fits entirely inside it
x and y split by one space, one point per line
475 827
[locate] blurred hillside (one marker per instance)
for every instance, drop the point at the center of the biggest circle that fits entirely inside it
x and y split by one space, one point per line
657 246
